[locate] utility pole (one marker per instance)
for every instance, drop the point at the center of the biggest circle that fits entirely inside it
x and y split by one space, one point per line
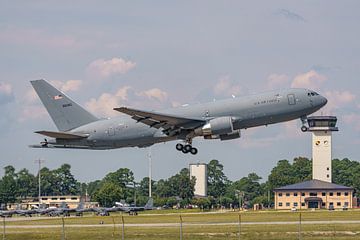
39 161
150 172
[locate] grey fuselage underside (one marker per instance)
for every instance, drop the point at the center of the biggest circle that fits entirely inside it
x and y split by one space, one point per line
250 111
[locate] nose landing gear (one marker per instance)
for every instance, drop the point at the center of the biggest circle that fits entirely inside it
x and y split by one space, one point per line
186 148
304 128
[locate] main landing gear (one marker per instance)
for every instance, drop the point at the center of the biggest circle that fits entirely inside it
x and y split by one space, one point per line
186 148
304 128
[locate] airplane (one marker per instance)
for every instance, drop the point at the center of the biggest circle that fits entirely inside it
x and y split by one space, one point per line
133 210
223 119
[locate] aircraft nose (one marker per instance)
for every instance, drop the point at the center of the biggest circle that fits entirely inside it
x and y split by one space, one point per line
323 100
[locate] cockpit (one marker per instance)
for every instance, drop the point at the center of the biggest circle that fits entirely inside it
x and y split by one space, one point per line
312 93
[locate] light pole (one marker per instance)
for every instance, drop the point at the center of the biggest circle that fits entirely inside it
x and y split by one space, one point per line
150 172
39 161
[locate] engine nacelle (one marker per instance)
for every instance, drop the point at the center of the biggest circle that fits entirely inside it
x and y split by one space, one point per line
230 136
216 126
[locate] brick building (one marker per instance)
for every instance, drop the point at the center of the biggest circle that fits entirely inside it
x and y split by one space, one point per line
313 194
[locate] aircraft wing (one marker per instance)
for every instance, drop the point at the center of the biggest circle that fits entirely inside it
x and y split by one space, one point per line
170 123
63 135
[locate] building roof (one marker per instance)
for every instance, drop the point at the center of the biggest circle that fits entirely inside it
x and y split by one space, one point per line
313 185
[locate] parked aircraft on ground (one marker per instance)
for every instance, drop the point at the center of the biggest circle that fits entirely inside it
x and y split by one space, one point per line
79 129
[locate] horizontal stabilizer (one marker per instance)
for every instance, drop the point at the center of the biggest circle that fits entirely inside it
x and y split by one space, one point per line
63 135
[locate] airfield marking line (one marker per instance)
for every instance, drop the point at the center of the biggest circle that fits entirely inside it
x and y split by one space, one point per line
185 224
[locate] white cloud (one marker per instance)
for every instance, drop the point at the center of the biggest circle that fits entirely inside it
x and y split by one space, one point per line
103 106
276 81
67 86
32 112
105 68
155 93
226 87
310 80
106 102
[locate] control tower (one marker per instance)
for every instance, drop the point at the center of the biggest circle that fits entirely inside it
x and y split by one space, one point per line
322 128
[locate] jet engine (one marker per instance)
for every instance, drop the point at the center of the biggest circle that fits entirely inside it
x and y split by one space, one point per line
221 127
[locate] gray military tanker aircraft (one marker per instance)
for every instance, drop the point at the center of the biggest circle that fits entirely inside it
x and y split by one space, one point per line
223 119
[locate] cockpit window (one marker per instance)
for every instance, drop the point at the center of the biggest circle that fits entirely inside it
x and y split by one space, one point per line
312 94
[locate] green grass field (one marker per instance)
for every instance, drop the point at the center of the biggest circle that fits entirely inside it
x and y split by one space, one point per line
196 225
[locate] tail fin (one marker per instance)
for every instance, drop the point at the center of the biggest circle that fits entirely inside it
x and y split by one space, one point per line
65 113
149 204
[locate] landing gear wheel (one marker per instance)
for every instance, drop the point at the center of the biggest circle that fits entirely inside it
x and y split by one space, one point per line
187 148
193 151
179 147
304 129
184 150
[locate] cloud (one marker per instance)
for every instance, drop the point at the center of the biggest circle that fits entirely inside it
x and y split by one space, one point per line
277 81
310 80
106 102
105 68
155 93
6 93
226 87
124 96
290 15
67 86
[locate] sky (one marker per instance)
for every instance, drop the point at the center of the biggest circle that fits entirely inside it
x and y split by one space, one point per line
159 54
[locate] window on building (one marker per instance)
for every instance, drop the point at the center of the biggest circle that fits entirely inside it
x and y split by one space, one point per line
74 198
346 193
303 194
295 204
338 194
327 175
280 194
54 198
323 194
331 194
331 204
295 194
346 204
328 169
338 204
288 204
44 198
62 198
288 194
280 204
303 204
313 194
323 204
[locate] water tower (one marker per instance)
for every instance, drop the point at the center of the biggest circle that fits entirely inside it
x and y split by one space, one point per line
322 128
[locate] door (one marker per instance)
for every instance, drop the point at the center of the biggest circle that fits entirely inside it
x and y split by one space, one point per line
291 99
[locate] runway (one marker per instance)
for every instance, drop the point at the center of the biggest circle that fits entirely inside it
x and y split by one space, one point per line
183 224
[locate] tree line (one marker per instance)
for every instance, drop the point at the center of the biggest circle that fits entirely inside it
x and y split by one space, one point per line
177 189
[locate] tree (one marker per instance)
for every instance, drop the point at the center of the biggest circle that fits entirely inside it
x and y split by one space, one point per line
249 186
26 183
217 181
108 194
66 182
8 186
123 177
144 186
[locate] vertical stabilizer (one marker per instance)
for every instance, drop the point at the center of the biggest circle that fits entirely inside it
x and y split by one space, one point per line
65 113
